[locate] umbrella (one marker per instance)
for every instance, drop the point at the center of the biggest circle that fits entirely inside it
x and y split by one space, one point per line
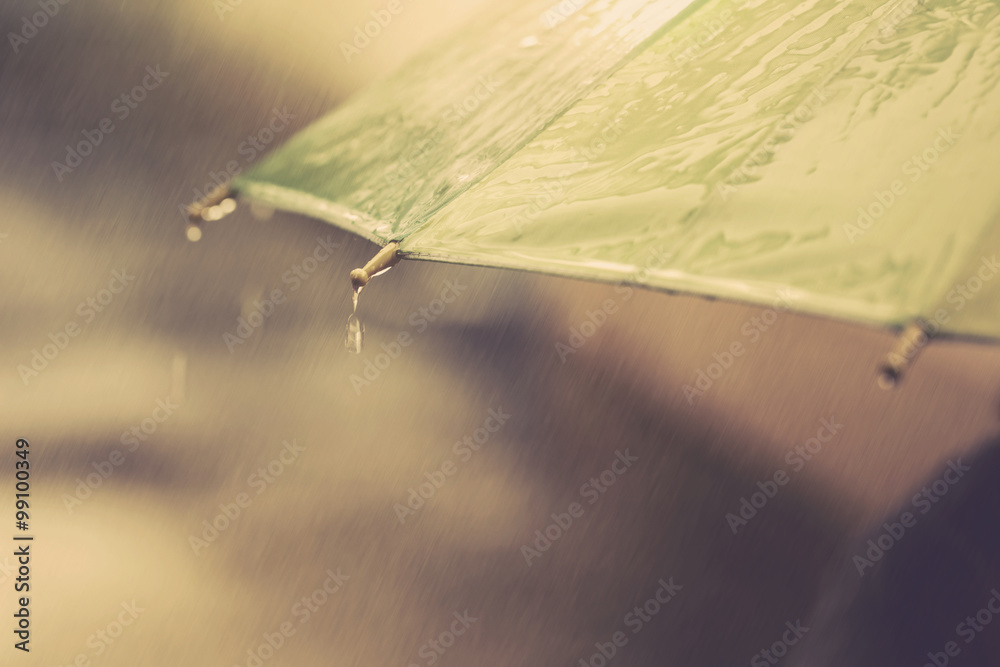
836 158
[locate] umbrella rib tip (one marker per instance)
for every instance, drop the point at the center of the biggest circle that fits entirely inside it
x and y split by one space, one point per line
359 278
905 349
217 204
386 258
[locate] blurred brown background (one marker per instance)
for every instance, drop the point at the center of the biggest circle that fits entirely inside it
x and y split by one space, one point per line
494 347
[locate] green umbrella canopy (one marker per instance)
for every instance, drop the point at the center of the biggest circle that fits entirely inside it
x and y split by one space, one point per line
837 156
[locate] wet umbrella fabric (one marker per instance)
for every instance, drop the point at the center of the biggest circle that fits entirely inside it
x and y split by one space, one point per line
834 158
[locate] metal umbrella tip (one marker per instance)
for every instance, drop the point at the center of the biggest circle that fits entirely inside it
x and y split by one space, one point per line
359 278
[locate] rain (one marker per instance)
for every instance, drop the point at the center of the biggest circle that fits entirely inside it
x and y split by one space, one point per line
539 439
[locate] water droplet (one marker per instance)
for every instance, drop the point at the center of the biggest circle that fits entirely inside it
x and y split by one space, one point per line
355 340
355 334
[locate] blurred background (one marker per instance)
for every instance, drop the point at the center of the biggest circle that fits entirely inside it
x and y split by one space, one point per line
146 427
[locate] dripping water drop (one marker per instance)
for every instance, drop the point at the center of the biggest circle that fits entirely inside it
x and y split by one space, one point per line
355 340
